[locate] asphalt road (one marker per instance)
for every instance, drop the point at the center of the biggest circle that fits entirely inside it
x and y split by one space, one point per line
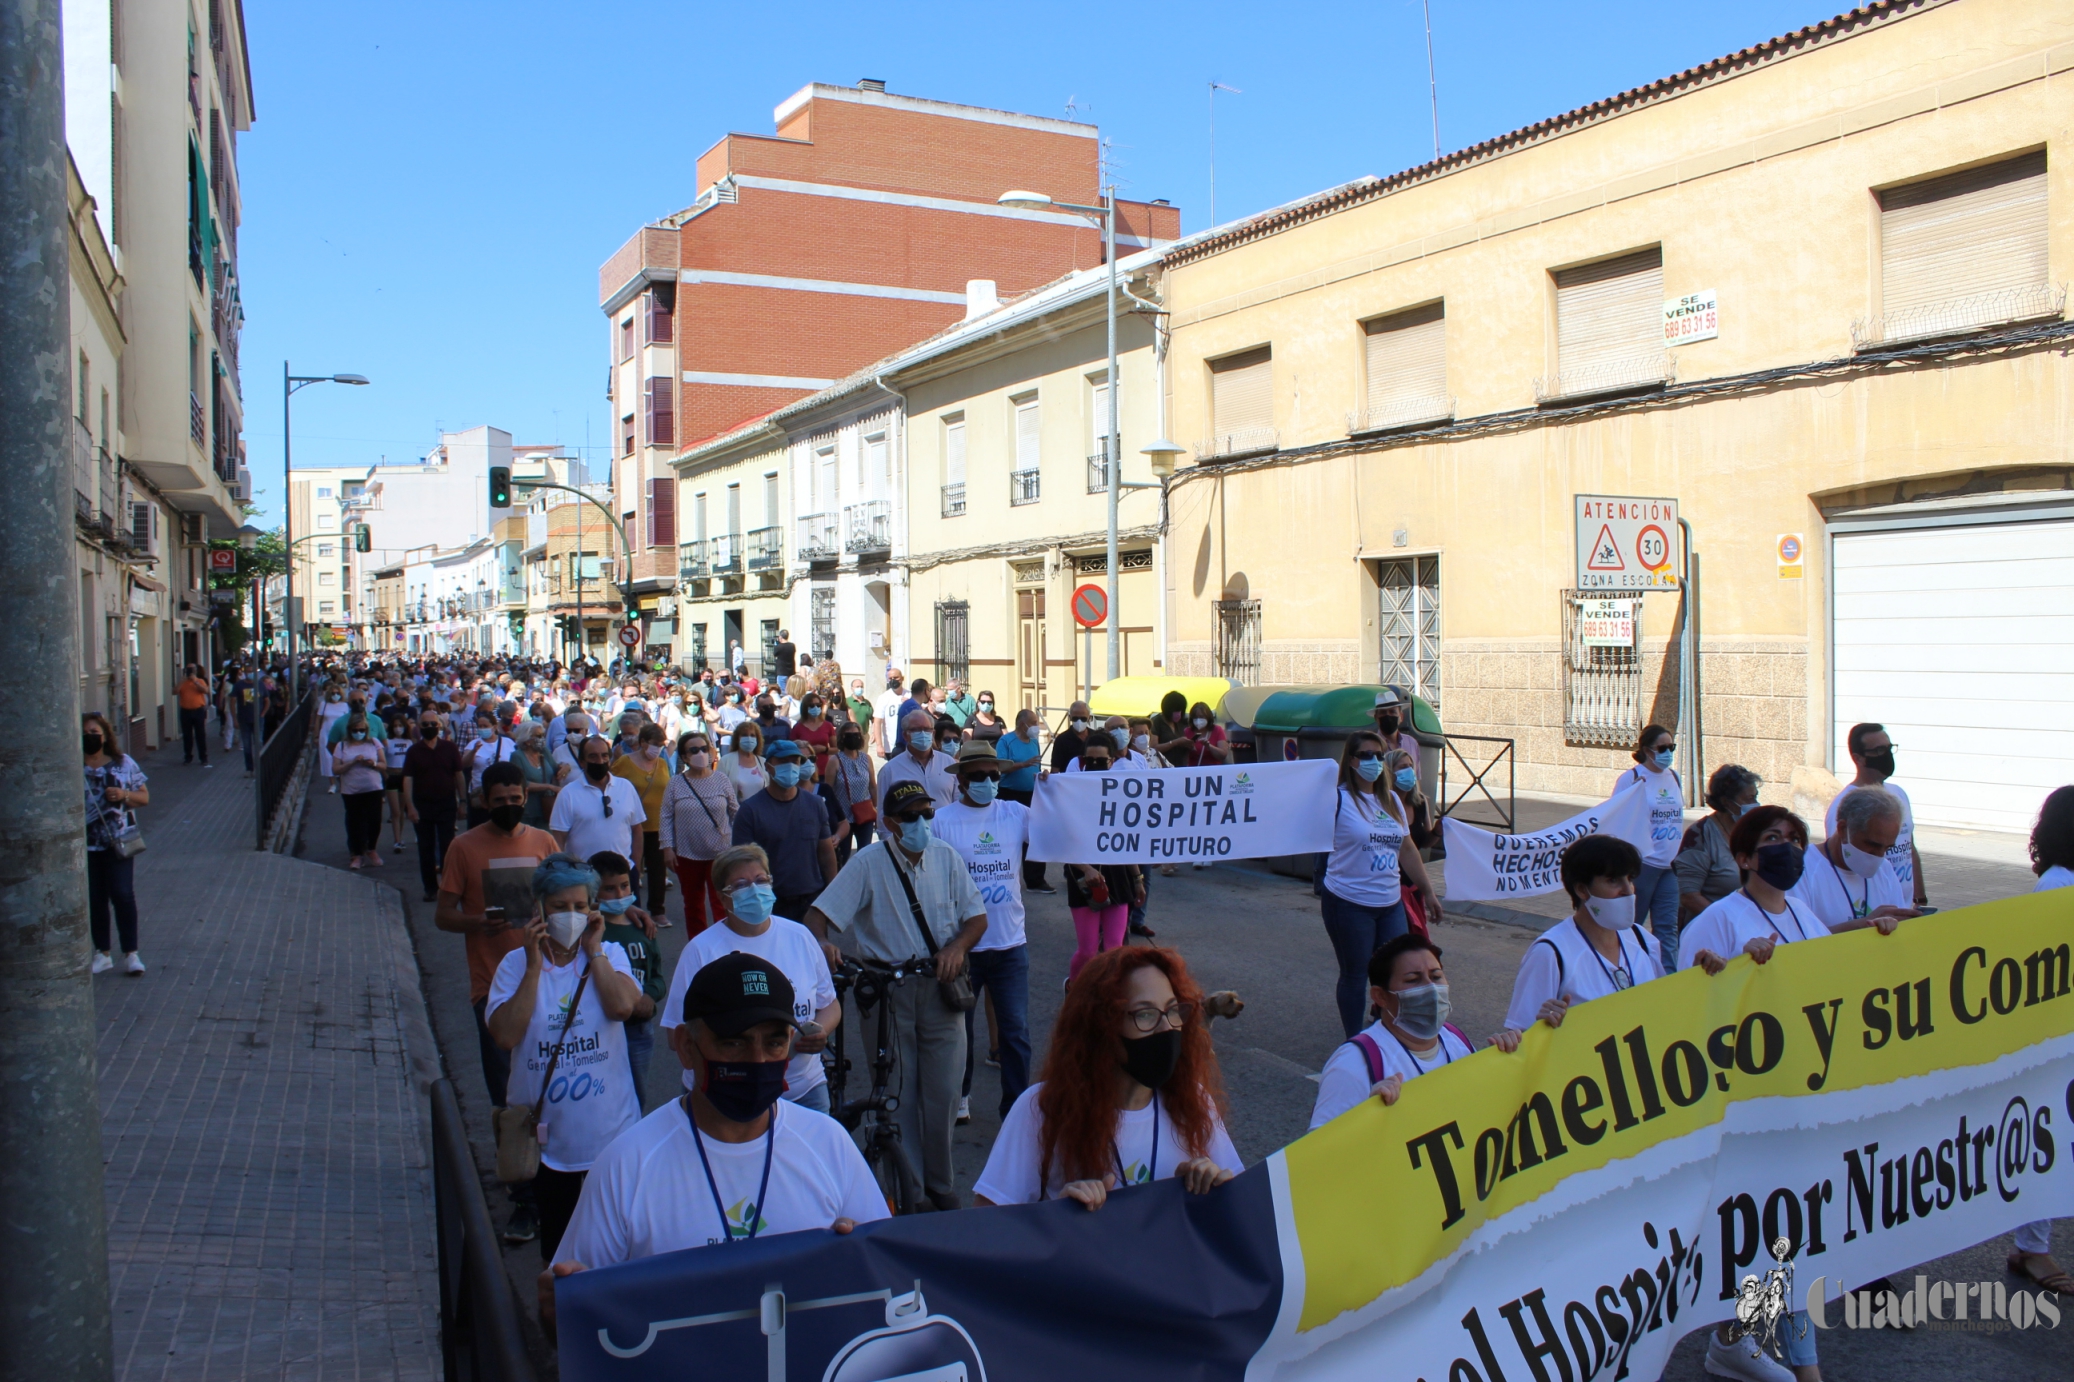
1259 933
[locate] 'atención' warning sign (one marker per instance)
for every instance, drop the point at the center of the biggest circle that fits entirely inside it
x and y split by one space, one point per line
1626 543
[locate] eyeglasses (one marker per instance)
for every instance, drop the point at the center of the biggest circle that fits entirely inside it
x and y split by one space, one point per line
1368 758
739 884
1176 1015
916 816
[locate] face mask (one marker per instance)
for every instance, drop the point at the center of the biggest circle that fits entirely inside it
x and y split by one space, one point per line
852 744
1881 762
90 742
1080 725
1613 913
987 706
914 835
1121 736
1150 1059
1368 769
1094 765
430 731
1387 723
356 734
566 928
754 904
1142 742
745 745
785 774
1742 809
1859 862
596 772
507 818
615 906
982 793
1780 865
1201 723
486 733
1421 1010
697 758
813 712
651 752
921 741
677 701
1662 758
743 1091
734 700
1406 780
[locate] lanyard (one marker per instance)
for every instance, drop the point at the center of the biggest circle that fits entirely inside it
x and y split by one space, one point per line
1447 1056
1789 911
770 1143
1152 1165
1612 975
1856 909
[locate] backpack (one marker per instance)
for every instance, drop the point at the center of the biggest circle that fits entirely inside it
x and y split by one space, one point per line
1372 1054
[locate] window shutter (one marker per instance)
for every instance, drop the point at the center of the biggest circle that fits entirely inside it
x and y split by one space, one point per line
954 452
1407 367
661 318
1098 418
770 501
1964 236
824 463
1028 436
1609 323
662 513
873 474
662 415
1242 401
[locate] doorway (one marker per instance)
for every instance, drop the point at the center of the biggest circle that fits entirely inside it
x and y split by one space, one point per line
730 635
1029 648
1409 626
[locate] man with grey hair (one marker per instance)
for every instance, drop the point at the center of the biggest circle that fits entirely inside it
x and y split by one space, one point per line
599 811
920 761
1850 876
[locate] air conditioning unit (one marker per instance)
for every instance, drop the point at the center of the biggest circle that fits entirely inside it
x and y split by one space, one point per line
144 526
241 490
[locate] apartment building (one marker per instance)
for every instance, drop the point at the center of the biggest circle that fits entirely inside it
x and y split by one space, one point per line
568 558
319 500
1814 292
850 233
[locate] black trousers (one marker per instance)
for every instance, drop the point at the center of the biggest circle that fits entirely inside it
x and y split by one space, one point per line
555 1195
111 884
653 874
435 833
363 821
793 906
194 734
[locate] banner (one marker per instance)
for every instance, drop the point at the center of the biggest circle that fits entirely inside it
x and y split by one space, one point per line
1483 867
1185 815
1861 1104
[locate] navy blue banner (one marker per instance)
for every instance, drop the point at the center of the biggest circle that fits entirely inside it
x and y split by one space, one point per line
1158 1283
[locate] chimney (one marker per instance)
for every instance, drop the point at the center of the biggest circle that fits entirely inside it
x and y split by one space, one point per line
871 83
980 297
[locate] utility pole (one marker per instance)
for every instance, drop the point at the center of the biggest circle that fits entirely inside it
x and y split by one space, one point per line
54 1321
1113 442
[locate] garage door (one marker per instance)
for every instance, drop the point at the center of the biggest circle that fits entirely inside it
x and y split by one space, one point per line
1960 640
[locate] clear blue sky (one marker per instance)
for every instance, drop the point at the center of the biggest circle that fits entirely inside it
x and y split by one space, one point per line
430 188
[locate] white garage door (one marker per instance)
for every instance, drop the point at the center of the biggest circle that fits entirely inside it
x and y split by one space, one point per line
1960 640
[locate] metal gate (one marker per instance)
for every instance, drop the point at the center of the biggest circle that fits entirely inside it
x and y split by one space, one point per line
953 652
1238 641
1409 626
821 632
1602 680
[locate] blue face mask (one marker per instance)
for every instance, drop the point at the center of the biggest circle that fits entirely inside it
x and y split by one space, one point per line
786 774
1407 780
982 793
1663 757
921 741
914 835
1121 736
754 903
615 906
1369 769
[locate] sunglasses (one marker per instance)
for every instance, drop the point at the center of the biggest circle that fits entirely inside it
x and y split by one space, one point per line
982 777
1368 758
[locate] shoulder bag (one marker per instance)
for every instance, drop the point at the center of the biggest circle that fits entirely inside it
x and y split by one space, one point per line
957 994
518 1129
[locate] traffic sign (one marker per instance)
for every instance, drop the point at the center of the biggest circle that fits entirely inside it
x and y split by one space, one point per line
1090 606
630 635
223 561
1791 548
1625 543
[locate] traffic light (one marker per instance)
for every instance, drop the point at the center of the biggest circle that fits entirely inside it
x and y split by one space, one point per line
500 486
363 539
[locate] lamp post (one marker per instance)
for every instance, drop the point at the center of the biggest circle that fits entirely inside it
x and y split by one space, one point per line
290 385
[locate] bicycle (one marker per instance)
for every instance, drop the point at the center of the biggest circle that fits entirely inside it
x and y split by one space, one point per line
881 1144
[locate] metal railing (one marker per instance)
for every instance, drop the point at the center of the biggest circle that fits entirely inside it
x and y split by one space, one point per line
1639 370
766 550
197 419
1508 813
1402 412
1239 441
818 537
1098 473
724 554
868 526
479 1335
1024 487
275 764
1950 316
691 562
954 500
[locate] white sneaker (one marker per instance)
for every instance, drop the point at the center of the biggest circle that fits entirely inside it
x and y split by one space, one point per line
131 964
1743 1360
965 1109
102 963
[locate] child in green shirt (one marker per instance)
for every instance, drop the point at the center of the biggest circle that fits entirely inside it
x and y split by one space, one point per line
633 930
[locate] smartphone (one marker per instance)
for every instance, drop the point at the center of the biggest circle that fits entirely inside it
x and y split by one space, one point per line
495 916
1925 910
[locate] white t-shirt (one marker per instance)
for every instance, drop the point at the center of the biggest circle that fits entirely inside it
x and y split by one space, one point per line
580 810
1837 895
1666 812
1736 920
2058 876
883 710
1362 868
1010 1176
488 751
795 953
1562 962
935 775
1345 1083
1899 856
647 1193
990 840
591 1100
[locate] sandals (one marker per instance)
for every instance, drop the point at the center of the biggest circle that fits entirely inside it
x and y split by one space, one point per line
2040 1268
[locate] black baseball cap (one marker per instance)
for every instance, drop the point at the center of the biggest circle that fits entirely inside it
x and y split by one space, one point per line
737 991
902 796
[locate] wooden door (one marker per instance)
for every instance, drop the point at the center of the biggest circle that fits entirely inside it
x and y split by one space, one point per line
1030 648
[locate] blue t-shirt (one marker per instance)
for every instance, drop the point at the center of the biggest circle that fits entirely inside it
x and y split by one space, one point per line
1013 748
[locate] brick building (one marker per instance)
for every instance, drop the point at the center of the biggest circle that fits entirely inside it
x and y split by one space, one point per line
860 227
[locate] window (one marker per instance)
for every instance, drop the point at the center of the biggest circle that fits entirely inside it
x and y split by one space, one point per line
662 513
324 578
954 465
84 391
874 466
326 522
734 510
1407 369
698 517
953 646
626 338
323 549
1238 640
324 491
662 414
1242 404
662 306
770 649
1029 433
825 479
1609 327
821 631
626 435
324 607
1962 251
1409 626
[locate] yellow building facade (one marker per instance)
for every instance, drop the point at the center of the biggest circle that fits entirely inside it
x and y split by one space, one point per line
1814 293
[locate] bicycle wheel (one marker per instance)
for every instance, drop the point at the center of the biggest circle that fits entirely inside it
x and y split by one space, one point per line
896 1180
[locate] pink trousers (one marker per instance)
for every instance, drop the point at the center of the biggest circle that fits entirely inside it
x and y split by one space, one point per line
1098 929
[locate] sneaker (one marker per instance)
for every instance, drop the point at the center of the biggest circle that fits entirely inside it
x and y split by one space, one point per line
131 964
207 764
1743 1360
397 848
523 1226
994 1059
1199 867
103 962
965 1110
1045 888
355 864
374 858
1141 929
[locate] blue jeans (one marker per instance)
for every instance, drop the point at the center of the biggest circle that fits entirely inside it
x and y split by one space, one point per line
1656 906
815 1098
1797 1340
640 1046
1356 932
1006 975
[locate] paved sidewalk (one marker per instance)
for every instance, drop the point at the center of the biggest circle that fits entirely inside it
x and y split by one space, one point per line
263 1118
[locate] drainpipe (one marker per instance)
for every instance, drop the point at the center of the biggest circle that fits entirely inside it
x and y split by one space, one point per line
895 625
1689 676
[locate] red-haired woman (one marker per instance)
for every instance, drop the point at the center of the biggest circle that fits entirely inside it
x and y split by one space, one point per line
1130 1091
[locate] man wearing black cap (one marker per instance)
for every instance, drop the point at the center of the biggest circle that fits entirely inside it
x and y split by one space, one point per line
729 1161
904 897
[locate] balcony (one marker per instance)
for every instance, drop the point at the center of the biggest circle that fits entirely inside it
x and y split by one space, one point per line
818 538
868 527
691 561
1645 369
197 420
1023 487
766 551
954 500
1394 413
1238 441
1098 473
1955 316
724 554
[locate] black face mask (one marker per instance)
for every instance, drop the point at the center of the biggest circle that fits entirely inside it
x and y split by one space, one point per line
853 742
1387 723
596 772
743 1090
1881 762
430 732
1150 1059
507 818
1780 865
91 743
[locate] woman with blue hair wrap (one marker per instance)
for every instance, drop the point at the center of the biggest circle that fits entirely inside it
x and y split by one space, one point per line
560 1005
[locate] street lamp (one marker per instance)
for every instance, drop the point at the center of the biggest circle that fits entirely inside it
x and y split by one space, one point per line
1112 438
290 385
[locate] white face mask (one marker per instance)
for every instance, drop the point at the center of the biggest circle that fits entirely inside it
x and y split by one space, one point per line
1201 723
1859 862
567 928
1613 913
1142 742
1422 1009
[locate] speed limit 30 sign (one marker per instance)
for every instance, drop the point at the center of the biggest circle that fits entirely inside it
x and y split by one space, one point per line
1626 543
